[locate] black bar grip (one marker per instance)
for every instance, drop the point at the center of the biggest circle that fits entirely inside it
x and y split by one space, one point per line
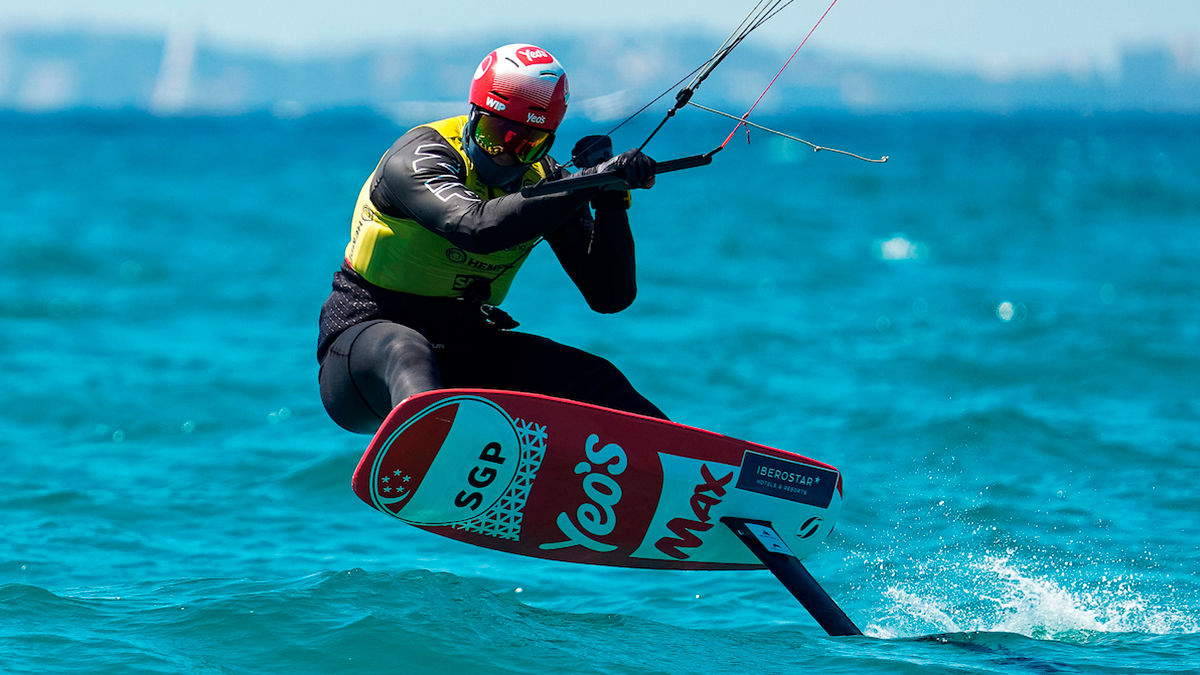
683 163
577 182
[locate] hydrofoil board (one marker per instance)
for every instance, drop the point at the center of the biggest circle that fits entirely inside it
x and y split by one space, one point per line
557 479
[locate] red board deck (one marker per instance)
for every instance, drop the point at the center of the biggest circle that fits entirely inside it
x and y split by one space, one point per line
557 479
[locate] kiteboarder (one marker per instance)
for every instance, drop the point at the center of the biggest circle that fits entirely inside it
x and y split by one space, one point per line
438 233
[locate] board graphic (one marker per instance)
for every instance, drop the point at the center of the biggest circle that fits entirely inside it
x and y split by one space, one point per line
557 479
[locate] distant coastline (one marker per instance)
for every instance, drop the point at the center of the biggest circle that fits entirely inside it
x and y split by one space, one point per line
181 74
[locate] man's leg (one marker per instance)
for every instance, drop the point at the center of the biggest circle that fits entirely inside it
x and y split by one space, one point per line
370 369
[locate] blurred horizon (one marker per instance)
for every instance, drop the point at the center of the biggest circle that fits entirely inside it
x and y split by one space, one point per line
1002 37
614 72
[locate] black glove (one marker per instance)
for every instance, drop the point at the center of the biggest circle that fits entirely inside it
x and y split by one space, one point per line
635 167
591 150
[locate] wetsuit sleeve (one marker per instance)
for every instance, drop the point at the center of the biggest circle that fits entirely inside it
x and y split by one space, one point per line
598 256
423 178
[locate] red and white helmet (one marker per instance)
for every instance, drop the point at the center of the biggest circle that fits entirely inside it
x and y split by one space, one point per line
522 83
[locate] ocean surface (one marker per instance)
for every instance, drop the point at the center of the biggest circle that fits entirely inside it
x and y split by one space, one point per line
995 337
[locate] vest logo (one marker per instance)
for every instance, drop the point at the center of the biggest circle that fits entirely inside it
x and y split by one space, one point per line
535 119
532 55
460 257
464 281
364 222
594 518
494 104
705 496
487 266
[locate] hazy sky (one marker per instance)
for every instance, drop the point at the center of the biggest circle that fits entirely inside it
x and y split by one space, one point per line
989 34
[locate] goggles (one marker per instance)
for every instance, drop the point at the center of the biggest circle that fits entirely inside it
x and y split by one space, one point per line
496 135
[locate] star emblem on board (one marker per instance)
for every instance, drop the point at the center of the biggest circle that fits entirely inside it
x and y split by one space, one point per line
387 489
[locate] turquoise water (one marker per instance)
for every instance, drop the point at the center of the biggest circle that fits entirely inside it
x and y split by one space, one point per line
994 337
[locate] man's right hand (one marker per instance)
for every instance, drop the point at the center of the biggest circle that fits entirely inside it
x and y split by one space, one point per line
636 167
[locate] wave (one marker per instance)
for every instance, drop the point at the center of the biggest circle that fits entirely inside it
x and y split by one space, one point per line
994 594
355 621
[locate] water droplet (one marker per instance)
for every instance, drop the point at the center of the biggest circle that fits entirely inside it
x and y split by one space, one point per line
118 436
273 418
883 324
899 248
1007 311
284 413
187 427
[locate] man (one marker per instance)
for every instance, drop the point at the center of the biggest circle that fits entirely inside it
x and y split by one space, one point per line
440 230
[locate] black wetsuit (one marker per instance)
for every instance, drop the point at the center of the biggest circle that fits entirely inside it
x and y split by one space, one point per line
378 346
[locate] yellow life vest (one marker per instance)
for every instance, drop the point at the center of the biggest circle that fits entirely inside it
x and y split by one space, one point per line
401 255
